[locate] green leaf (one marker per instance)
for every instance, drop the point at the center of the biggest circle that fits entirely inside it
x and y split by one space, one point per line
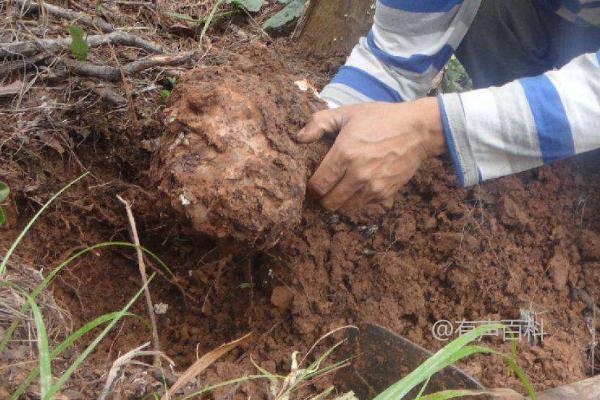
165 93
289 13
42 339
172 80
183 17
4 191
450 353
250 5
79 47
2 216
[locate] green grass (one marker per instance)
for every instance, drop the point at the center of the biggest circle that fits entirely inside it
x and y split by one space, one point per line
49 386
283 387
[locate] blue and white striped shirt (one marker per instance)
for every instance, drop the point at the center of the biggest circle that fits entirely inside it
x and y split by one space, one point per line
490 132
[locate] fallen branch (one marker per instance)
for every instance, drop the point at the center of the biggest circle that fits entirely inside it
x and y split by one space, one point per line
142 267
66 14
30 47
110 73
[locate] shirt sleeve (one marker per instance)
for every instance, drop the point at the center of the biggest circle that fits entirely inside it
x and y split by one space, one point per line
409 43
524 124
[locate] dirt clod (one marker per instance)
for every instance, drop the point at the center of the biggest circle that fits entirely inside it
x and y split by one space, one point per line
282 297
511 214
589 245
559 267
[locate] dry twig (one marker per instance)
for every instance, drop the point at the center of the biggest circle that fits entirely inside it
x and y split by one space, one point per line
202 363
12 89
8 67
118 367
71 15
142 267
31 47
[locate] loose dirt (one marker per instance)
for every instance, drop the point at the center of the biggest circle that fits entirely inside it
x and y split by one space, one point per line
527 242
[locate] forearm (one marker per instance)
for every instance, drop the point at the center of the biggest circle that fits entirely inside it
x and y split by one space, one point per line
408 45
524 124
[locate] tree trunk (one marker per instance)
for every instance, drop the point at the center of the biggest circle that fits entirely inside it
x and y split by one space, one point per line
332 27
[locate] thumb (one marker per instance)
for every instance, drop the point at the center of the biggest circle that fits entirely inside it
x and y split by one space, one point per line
322 122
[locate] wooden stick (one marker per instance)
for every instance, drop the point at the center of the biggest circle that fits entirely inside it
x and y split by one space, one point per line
28 48
71 15
142 267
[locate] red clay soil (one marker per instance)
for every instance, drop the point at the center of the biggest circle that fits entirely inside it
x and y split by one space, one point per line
530 241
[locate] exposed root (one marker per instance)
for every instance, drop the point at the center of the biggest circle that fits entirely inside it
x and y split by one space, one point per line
31 47
109 73
77 17
105 93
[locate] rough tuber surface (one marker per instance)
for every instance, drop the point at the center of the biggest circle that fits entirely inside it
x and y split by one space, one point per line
229 161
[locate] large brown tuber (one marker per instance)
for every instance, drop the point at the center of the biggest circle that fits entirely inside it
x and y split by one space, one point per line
229 161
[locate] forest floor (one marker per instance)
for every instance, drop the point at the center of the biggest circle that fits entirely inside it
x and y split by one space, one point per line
526 243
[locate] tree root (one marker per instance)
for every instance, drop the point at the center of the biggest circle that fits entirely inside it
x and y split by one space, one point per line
71 15
28 48
109 73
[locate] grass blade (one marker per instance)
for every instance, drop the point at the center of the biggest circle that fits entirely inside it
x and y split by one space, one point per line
202 363
67 374
452 394
435 363
222 384
209 19
512 364
42 339
42 344
27 227
48 278
57 351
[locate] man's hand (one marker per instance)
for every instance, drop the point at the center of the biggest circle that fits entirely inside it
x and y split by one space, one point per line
378 149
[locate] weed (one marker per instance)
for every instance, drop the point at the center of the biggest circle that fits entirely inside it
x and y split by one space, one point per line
4 192
283 387
79 48
48 386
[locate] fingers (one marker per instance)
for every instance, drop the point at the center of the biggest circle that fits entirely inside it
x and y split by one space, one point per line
344 191
372 192
322 122
329 173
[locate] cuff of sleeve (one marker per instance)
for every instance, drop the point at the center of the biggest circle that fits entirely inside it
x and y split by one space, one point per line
455 131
